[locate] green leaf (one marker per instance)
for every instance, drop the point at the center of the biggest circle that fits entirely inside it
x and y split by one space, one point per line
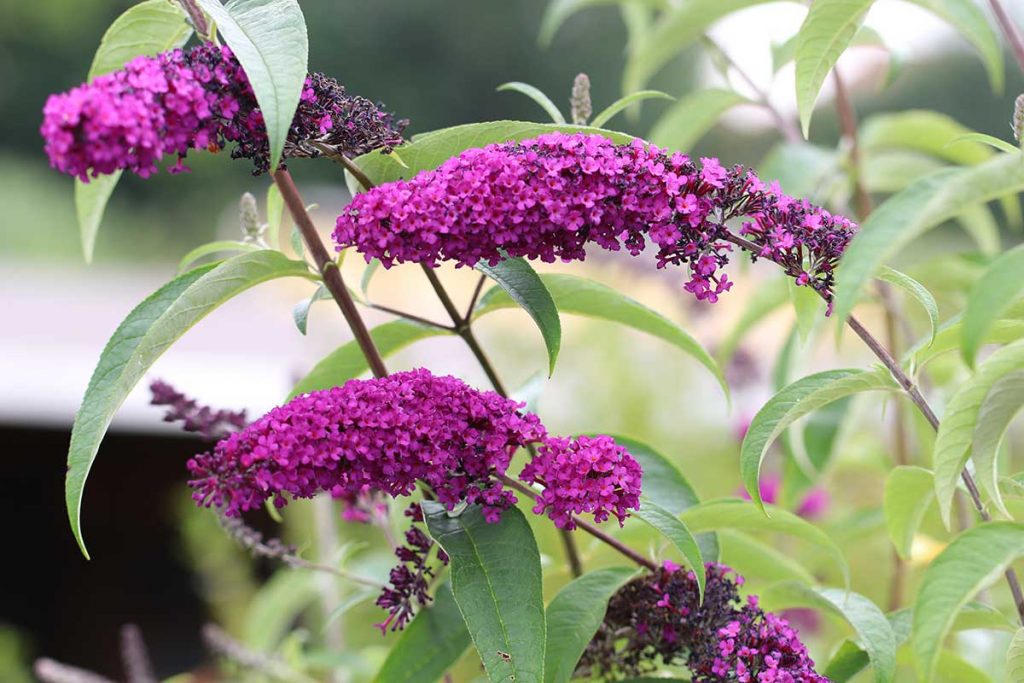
795 401
826 32
927 132
521 284
144 335
990 140
558 11
675 29
269 39
300 314
275 216
689 119
758 559
732 513
538 96
802 170
1000 285
916 290
575 614
676 531
347 361
364 282
581 296
785 52
889 171
1002 403
908 493
496 579
967 18
606 114
872 628
948 339
147 28
432 149
927 203
428 646
956 432
275 607
1015 657
974 560
209 248
808 306
666 486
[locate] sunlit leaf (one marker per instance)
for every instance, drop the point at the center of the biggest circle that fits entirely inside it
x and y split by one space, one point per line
689 119
218 247
974 560
991 296
606 114
825 34
676 531
956 432
915 289
967 18
1002 403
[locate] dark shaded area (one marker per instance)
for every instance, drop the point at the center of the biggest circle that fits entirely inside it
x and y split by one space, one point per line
70 608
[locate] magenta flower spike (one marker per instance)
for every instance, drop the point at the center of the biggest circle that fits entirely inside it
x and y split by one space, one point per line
389 434
194 99
549 197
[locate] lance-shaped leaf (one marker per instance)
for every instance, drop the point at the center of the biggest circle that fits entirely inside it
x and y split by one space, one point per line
606 114
825 34
1002 403
269 39
144 335
575 614
1015 657
915 289
521 284
558 11
795 401
908 493
925 204
147 28
666 486
755 558
429 645
348 362
496 579
872 628
732 513
991 296
585 297
956 432
949 338
538 96
676 531
974 560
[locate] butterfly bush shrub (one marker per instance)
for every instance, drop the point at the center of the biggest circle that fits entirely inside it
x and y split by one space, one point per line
619 573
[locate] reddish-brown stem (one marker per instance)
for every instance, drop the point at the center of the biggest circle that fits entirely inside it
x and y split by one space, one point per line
915 396
329 270
1010 32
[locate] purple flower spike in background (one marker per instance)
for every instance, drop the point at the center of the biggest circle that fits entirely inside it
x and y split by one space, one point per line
197 99
548 197
389 434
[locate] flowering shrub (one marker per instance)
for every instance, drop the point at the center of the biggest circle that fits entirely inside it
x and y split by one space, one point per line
426 463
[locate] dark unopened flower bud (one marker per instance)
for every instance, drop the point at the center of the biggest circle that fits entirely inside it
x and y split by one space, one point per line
1017 124
580 100
249 219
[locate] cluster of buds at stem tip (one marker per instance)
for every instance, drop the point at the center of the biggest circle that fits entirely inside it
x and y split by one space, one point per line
1017 123
580 105
253 229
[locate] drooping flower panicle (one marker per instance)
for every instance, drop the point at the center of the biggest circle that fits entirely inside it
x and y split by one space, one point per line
198 98
658 618
548 197
389 434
